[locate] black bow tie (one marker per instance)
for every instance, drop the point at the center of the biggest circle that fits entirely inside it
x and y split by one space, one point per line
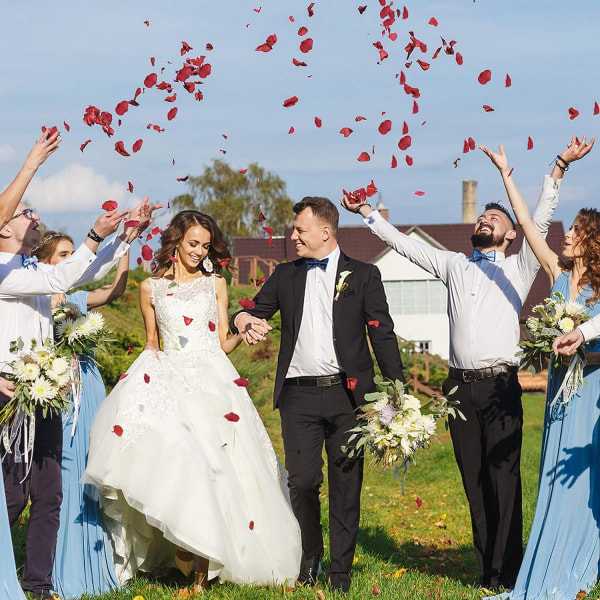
311 263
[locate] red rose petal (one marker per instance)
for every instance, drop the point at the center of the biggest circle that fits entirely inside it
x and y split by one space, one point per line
302 31
233 417
409 160
299 63
471 143
318 122
290 101
351 383
394 162
511 172
147 252
415 108
404 13
241 382
465 147
67 126
187 320
146 378
364 157
82 147
247 303
405 142
211 326
419 501
459 58
488 108
118 430
385 127
345 131
433 21
573 113
455 163
243 171
110 205
137 146
291 130
183 178
261 218
359 118
419 193
131 223
120 148
130 187
373 323
371 189
596 108
424 65
306 45
122 376
507 81
251 525
310 10
375 591
147 23
484 77
224 262
150 80
529 143
122 107
172 113
361 9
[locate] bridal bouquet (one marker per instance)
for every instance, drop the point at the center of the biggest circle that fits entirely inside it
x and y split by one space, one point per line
394 424
556 317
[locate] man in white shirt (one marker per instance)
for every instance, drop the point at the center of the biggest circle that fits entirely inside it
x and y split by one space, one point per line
27 314
485 296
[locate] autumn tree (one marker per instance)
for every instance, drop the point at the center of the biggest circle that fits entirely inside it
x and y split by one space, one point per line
236 200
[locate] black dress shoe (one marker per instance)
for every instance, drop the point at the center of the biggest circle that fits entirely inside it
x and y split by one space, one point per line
309 569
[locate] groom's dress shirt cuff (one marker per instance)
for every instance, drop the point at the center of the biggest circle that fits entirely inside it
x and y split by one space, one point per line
314 353
106 259
591 328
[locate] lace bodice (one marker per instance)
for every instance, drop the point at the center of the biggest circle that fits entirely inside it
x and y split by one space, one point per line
186 314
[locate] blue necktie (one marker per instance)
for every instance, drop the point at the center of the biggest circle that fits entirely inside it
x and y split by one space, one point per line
29 260
490 255
311 263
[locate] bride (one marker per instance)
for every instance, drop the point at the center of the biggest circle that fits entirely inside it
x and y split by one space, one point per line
183 464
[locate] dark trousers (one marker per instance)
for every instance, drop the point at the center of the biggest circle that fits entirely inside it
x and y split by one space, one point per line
487 447
43 485
310 417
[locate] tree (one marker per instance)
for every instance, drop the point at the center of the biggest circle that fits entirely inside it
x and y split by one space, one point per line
236 200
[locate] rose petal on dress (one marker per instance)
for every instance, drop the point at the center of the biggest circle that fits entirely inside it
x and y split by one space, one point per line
351 383
120 148
146 252
187 320
172 113
507 81
488 108
82 147
246 302
385 127
138 145
573 113
484 77
211 326
346 131
117 429
240 381
291 101
364 157
110 205
306 45
405 142
146 378
529 143
150 80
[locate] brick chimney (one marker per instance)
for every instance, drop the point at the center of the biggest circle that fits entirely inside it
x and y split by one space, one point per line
383 209
469 201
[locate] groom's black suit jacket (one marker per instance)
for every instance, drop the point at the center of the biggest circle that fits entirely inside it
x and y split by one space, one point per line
362 301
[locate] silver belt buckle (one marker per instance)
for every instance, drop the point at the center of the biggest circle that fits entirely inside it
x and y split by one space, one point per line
324 381
469 376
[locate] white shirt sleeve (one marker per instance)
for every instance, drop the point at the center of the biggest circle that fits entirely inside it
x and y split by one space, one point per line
16 281
591 328
427 257
105 261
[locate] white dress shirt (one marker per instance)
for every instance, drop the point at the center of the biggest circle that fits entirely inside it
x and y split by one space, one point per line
591 328
484 297
25 306
314 352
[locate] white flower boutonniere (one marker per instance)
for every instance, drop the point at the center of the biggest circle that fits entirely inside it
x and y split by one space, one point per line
341 284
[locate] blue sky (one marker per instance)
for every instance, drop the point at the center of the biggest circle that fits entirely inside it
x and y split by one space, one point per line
60 57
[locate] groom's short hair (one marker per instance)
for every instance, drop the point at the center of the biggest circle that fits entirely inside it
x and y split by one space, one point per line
322 208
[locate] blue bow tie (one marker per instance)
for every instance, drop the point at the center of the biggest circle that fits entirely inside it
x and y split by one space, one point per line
490 255
29 260
311 263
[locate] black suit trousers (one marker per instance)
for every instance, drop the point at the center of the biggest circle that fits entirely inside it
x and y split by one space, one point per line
487 447
311 417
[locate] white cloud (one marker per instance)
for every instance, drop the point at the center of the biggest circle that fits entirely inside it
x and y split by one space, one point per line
7 152
75 189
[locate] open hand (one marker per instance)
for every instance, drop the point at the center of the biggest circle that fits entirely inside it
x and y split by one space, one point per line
500 160
576 150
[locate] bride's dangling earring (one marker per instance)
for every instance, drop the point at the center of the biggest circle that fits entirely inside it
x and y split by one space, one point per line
207 264
175 260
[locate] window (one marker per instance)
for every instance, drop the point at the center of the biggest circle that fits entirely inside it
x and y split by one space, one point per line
423 345
416 297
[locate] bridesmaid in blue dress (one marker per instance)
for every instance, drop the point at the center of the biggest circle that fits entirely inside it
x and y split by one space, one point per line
563 552
9 584
83 561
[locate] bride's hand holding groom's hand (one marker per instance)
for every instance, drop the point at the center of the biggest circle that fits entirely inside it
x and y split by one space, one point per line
252 329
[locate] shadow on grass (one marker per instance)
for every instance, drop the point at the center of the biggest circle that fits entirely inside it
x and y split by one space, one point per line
441 557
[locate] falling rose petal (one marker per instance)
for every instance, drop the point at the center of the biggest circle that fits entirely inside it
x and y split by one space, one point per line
268 45
573 113
82 147
120 148
351 383
224 262
173 259
110 205
419 501
302 31
187 320
299 63
371 189
507 81
138 145
404 13
211 326
146 252
306 45
129 349
345 131
146 378
415 108
247 303
373 323
269 232
310 10
433 21
292 20
424 65
153 61
364 157
261 218
459 58
385 127
183 178
171 98
150 80
122 107
361 9
409 160
484 77
147 23
251 525
172 113
290 101
529 143
511 172
471 143
455 163
596 108
291 130
394 162
185 48
405 142
419 193
240 381
67 126
318 122
139 261
465 147
360 118
131 223
404 128
488 108
243 171
130 187
118 430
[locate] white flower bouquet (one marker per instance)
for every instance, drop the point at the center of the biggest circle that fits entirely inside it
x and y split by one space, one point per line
556 317
394 424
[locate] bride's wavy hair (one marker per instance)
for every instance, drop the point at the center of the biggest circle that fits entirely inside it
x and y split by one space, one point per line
586 227
171 237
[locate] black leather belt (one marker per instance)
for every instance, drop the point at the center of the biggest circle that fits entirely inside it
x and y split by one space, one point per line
321 381
470 375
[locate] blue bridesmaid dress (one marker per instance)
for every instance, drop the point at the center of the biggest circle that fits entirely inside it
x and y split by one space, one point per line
563 552
9 584
83 562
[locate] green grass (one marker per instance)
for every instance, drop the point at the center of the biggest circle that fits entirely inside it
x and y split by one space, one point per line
404 550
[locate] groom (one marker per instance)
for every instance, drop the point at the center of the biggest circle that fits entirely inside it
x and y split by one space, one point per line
328 301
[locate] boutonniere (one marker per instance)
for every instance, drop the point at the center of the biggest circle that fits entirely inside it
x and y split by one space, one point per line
341 284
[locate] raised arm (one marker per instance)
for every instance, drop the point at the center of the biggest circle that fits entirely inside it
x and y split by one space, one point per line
12 195
108 293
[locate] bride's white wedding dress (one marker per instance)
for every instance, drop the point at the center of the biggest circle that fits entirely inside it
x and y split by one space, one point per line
181 457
